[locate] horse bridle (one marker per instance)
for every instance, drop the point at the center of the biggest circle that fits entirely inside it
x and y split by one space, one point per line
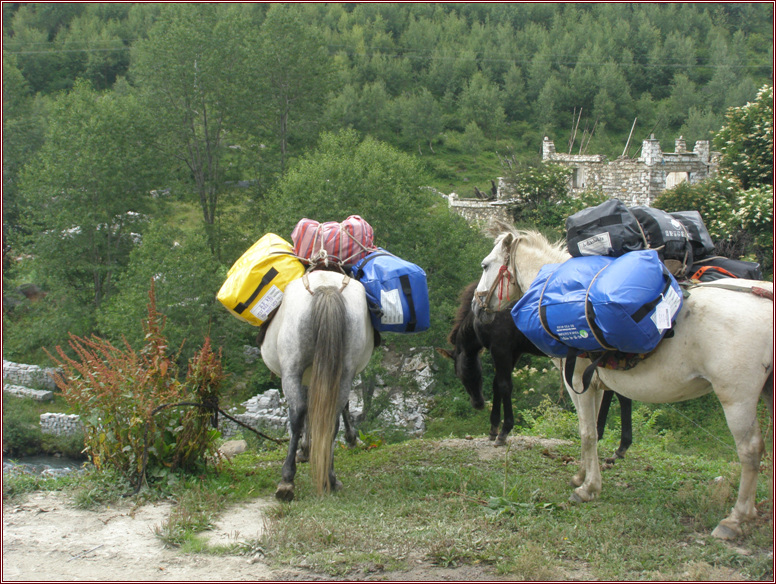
504 273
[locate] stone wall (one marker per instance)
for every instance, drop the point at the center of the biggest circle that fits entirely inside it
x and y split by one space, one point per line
635 181
29 375
60 424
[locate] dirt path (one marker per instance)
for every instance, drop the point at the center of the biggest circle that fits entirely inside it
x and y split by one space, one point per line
45 538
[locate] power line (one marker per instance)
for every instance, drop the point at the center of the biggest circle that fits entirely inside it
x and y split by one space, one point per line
419 54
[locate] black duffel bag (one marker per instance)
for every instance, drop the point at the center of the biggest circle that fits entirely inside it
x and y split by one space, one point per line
716 268
668 237
702 245
608 229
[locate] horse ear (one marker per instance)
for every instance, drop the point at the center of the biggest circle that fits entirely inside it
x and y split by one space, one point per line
445 353
507 241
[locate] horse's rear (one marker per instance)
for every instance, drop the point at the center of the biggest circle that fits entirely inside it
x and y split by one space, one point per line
722 342
319 340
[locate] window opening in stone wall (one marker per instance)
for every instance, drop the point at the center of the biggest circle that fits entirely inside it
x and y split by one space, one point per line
675 178
578 178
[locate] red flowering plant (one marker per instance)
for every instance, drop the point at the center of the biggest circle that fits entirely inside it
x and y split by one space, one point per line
126 400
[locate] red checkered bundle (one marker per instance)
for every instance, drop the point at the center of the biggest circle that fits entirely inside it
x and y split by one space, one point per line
331 242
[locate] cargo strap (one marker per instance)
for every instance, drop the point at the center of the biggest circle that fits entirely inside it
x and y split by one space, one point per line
265 280
306 282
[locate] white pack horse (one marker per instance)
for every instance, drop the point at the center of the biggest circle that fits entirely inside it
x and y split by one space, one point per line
319 340
723 341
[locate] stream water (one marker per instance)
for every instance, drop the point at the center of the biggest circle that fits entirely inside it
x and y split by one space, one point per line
41 465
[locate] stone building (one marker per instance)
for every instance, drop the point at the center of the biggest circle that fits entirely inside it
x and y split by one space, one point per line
635 181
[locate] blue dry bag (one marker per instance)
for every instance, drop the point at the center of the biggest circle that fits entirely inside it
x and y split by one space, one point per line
397 293
598 303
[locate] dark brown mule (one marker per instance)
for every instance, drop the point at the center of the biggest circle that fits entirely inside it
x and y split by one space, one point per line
506 345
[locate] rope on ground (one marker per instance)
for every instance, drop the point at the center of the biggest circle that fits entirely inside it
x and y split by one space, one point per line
206 406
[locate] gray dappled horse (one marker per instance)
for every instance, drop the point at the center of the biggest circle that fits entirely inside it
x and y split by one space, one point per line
319 340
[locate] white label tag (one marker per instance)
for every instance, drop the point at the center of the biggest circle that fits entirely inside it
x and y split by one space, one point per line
390 303
269 302
600 244
666 310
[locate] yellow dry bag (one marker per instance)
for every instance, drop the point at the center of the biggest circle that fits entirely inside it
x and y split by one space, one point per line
255 283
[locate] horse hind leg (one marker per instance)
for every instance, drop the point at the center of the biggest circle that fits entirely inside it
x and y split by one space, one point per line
742 421
296 417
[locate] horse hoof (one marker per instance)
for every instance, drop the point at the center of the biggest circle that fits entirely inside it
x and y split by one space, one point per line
338 486
723 531
500 441
300 458
285 491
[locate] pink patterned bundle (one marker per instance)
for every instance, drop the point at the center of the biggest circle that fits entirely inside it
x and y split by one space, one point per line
332 242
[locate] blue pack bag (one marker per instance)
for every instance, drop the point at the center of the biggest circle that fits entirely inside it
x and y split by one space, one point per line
397 292
599 303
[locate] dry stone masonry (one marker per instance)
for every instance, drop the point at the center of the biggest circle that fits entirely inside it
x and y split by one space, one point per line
635 181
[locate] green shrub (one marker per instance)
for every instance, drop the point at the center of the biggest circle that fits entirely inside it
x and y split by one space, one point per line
125 399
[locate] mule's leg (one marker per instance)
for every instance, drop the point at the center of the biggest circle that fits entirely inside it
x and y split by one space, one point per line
350 432
334 482
603 412
742 421
626 421
495 414
502 386
303 453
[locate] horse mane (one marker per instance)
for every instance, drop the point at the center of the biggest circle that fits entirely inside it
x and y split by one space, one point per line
498 230
464 311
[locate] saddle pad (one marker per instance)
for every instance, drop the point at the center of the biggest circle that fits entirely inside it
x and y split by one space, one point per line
396 291
332 242
256 282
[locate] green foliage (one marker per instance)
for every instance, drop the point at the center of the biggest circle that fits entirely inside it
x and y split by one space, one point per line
86 192
181 265
348 175
541 193
124 399
746 142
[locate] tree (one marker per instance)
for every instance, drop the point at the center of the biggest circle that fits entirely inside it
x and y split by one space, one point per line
86 191
185 283
83 199
421 118
737 205
348 175
746 141
480 102
295 70
192 72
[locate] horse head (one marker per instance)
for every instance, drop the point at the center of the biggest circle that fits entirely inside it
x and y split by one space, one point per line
498 284
505 274
466 350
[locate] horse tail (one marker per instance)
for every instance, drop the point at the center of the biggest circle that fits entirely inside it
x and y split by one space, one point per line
329 338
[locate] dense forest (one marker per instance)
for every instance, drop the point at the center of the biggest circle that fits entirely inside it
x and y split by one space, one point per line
196 128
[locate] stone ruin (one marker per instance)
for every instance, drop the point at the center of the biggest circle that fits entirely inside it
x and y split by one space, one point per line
635 181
